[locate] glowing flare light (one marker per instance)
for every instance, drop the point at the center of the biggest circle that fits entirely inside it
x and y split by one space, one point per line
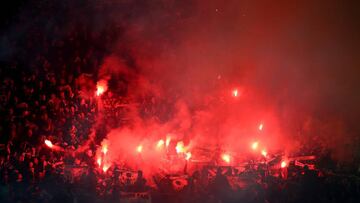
187 156
139 148
99 161
263 152
261 126
104 149
101 87
167 142
100 90
49 143
180 147
254 145
105 168
226 158
160 143
235 93
283 164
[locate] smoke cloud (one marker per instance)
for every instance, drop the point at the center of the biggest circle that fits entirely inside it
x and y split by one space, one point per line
293 63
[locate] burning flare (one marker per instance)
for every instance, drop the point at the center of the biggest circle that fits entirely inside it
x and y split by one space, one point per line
99 161
254 145
261 126
283 164
139 148
235 93
160 144
104 148
49 143
101 87
180 147
226 158
105 168
167 142
187 155
263 152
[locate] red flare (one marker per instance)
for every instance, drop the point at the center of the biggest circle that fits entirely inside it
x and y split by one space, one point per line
167 142
104 149
180 147
101 87
99 161
235 93
264 152
187 156
160 143
105 168
254 145
139 148
261 126
283 164
49 143
226 158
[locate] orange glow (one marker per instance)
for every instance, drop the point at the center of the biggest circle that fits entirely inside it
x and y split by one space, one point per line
100 90
160 143
105 168
263 152
226 158
180 147
283 164
167 142
235 93
254 145
139 148
49 143
104 148
99 161
261 126
101 87
187 155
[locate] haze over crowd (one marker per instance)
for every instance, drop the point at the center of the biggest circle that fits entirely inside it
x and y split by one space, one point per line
294 64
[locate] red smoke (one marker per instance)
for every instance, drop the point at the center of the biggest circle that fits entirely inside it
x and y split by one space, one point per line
243 73
220 75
